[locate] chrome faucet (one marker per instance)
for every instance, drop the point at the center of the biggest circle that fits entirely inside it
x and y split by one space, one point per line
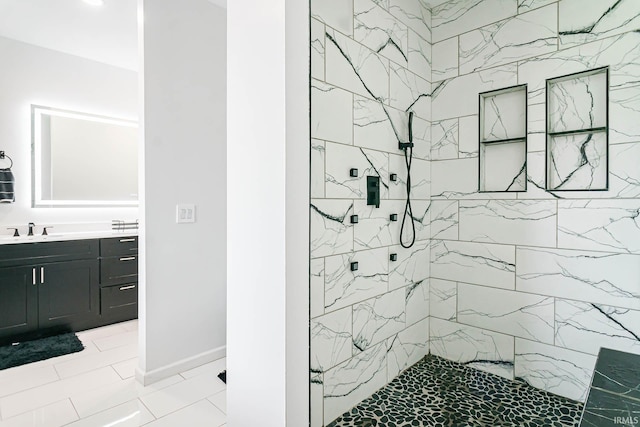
31 225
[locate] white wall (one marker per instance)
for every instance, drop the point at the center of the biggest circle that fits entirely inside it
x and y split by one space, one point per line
183 289
268 202
35 75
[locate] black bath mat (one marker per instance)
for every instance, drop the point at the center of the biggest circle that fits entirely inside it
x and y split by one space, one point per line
223 376
42 349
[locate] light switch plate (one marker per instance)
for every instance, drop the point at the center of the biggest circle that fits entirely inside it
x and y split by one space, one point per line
185 213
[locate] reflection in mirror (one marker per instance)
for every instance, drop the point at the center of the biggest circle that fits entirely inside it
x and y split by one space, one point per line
82 159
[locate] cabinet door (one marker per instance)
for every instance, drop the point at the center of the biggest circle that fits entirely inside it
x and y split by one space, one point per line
18 301
68 294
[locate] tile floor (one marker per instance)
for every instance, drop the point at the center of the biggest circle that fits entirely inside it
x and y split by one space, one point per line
436 392
96 387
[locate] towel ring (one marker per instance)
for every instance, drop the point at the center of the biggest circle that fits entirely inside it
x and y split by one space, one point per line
4 156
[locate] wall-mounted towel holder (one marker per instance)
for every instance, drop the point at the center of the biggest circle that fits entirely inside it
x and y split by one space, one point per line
4 156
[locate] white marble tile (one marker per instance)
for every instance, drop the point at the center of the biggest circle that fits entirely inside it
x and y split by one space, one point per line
421 221
108 343
454 179
458 96
503 167
377 319
599 277
317 49
375 228
317 168
37 397
129 414
354 380
412 265
504 114
332 113
582 21
55 415
415 14
407 348
420 178
382 3
420 55
510 312
624 170
624 115
444 219
199 414
335 13
444 140
182 394
409 92
417 301
354 67
211 368
378 126
587 326
601 225
459 16
375 28
481 349
621 53
340 159
331 339
331 231
517 222
468 134
344 287
527 5
536 118
445 59
578 103
554 369
421 138
578 162
105 358
479 263
316 267
316 402
443 299
522 36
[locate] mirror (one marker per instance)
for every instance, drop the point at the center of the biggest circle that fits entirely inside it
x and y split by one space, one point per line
82 159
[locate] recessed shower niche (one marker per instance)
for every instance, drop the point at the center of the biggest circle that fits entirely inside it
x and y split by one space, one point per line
503 140
577 131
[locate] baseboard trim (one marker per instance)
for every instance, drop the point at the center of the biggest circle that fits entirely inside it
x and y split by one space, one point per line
150 377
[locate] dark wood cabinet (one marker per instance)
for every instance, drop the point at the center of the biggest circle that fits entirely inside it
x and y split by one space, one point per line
119 278
49 287
18 301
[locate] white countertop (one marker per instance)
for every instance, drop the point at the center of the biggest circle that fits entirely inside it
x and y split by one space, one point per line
58 237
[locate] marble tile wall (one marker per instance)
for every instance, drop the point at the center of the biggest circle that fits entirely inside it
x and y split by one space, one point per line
370 68
531 285
527 285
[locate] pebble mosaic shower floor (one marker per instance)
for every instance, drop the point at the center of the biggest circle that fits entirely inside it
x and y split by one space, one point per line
436 392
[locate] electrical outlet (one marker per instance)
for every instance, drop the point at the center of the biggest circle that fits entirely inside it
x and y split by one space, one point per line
185 213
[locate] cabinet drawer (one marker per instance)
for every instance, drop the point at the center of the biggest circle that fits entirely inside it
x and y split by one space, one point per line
118 296
125 245
122 269
20 254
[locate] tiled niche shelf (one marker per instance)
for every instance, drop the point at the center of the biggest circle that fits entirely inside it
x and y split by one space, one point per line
578 131
503 140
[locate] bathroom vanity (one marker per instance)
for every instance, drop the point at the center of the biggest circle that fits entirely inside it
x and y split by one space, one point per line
49 286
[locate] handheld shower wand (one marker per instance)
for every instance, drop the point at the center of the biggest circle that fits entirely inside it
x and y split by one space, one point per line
407 147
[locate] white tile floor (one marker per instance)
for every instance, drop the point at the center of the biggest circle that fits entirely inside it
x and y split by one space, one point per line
96 388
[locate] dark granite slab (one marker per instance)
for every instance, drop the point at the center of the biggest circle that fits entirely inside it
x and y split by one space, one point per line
618 372
604 409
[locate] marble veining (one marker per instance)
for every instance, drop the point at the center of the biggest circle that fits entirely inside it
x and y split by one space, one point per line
606 278
444 139
519 37
443 299
377 319
578 103
608 225
331 232
583 21
444 219
587 326
410 267
407 348
380 31
459 16
330 340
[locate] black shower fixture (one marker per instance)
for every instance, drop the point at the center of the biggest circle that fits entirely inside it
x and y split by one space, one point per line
407 148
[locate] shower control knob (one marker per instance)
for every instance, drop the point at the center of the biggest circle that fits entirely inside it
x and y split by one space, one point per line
393 257
393 177
354 219
393 217
353 172
354 266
